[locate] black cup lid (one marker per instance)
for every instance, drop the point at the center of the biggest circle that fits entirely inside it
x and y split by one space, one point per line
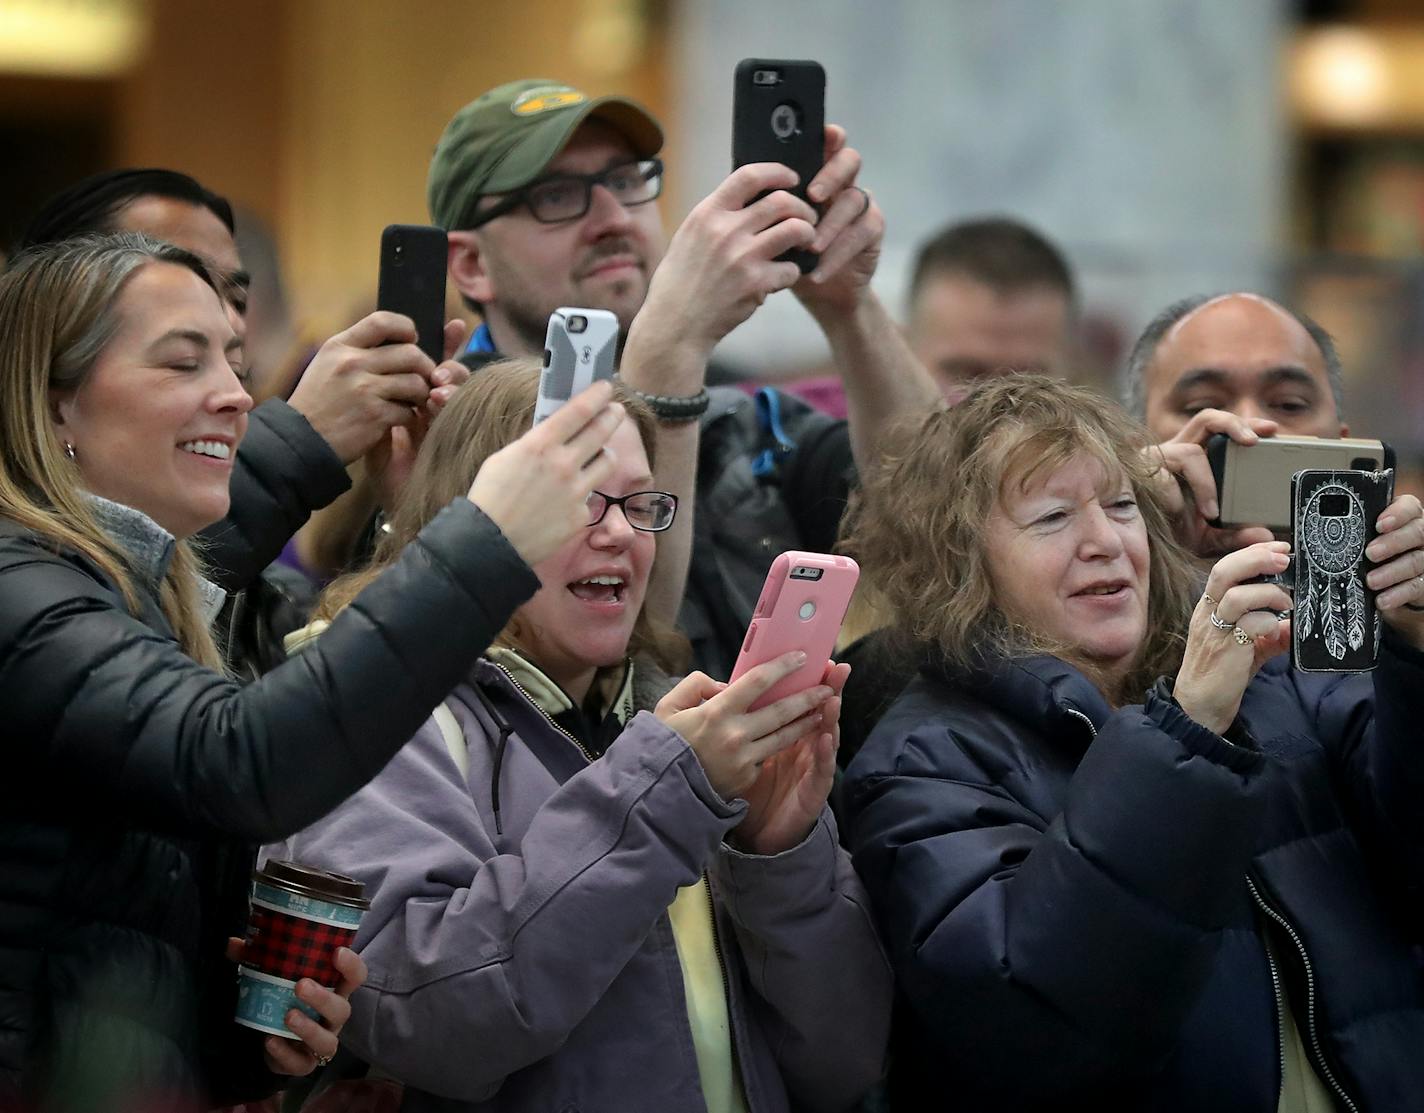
311 881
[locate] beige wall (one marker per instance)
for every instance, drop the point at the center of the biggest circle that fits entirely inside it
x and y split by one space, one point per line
321 115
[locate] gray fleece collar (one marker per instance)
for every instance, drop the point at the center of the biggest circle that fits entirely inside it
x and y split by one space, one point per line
150 548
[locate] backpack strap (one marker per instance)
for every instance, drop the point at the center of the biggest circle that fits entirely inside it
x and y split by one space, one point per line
454 737
773 433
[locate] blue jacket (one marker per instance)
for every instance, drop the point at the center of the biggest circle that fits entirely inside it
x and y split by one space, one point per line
1073 897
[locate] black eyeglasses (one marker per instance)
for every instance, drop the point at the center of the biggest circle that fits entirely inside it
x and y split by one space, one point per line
649 511
568 196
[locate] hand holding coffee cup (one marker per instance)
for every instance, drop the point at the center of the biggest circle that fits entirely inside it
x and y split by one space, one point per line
301 925
319 1042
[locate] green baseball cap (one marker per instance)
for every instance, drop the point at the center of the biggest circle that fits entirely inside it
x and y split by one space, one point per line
503 139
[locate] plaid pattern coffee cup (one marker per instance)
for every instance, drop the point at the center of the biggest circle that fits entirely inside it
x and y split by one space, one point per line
300 916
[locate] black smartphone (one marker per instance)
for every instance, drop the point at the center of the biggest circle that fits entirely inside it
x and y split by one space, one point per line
413 281
1253 482
1335 625
779 115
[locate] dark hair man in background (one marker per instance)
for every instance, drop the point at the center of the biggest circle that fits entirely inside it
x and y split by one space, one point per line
988 296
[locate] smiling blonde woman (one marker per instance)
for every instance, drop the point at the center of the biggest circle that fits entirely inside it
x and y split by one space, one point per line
138 775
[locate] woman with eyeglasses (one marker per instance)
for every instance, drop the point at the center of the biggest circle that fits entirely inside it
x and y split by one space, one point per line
590 892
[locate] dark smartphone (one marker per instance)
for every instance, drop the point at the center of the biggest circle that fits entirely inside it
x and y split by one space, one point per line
413 281
1335 625
779 115
1253 482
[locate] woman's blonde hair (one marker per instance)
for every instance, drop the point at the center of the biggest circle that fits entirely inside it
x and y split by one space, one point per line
492 410
58 311
919 523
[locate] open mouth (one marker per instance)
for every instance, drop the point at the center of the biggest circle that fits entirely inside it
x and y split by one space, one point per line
1103 590
215 450
600 589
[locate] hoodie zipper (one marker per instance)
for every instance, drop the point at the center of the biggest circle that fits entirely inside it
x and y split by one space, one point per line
1087 722
726 991
1320 1063
523 691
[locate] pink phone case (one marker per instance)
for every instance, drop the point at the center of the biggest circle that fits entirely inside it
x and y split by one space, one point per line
801 607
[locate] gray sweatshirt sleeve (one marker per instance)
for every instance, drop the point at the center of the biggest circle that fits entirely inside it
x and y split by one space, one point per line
804 927
506 953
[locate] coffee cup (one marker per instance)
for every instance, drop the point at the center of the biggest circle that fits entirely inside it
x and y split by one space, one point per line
300 915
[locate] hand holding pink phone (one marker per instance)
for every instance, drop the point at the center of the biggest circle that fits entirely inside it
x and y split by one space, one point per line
801 607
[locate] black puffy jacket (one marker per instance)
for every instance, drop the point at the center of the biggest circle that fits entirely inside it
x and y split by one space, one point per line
1073 897
130 767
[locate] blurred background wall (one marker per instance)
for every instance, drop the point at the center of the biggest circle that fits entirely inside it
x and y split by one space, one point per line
1169 145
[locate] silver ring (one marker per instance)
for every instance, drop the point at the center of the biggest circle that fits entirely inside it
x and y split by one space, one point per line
1220 623
1242 638
864 201
1214 602
323 1060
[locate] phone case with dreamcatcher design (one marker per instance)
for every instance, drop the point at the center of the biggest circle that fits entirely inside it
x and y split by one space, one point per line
1335 625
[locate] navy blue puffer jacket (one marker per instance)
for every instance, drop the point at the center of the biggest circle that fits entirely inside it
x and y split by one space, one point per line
1074 897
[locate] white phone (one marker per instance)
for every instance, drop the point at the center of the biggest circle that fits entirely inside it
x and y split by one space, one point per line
579 349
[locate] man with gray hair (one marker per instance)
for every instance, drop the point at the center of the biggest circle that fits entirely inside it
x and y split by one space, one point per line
1239 364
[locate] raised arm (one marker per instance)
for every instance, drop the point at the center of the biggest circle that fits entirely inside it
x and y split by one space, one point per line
720 265
120 720
883 379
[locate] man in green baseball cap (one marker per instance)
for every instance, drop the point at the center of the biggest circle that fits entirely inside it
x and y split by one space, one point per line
533 151
547 194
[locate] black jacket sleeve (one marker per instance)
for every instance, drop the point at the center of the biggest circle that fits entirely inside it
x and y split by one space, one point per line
284 470
1025 942
118 722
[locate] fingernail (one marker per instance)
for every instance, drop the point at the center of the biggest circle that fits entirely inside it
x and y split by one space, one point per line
1386 522
817 192
1211 508
1252 435
798 658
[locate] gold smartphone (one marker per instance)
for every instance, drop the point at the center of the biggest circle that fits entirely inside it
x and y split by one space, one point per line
1253 482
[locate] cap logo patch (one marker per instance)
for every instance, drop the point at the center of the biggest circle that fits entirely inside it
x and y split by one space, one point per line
535 101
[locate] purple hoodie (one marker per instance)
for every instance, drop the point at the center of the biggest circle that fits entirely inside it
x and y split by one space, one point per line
534 968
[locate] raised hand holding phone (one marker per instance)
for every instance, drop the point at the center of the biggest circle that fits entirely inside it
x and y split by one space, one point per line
412 281
536 490
779 115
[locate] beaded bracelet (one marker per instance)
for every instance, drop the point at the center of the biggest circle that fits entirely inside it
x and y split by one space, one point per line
672 408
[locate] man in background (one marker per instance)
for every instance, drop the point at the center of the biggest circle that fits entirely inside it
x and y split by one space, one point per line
989 296
1239 364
